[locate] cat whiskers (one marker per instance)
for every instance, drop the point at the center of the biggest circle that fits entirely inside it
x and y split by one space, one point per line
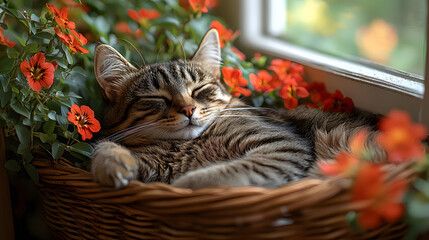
131 131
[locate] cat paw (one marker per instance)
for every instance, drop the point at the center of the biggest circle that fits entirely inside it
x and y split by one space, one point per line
113 165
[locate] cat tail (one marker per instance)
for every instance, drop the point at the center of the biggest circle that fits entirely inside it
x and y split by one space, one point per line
330 132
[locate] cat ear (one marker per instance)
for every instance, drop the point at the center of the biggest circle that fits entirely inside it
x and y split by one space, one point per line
208 53
110 69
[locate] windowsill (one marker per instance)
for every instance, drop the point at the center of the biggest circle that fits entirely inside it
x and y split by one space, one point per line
400 82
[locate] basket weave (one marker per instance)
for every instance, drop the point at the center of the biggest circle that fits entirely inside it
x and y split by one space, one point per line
76 207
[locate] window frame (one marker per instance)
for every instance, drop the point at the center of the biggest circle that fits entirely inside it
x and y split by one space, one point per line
402 90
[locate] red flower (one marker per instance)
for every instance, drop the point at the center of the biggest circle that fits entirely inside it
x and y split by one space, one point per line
123 27
385 197
280 67
337 103
264 81
143 15
225 35
290 91
237 91
38 72
4 40
400 137
85 121
318 94
74 40
239 53
61 16
234 79
201 5
346 163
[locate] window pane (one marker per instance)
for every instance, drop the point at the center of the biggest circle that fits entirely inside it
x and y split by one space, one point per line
388 32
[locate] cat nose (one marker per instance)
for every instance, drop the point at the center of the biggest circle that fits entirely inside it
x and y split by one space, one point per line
188 110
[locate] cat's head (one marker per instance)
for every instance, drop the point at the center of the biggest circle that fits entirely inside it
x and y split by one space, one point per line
173 100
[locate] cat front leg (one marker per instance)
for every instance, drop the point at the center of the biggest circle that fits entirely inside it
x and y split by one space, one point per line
113 165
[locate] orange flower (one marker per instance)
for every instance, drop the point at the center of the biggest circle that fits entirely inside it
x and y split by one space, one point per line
234 79
73 4
346 163
74 40
225 35
338 103
290 91
385 197
377 41
264 81
143 15
83 117
123 27
61 16
38 72
400 137
201 5
240 55
4 40
280 67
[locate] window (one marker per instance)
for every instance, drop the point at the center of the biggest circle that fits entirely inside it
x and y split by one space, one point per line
383 32
332 38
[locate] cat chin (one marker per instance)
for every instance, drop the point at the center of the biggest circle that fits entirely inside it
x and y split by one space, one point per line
186 133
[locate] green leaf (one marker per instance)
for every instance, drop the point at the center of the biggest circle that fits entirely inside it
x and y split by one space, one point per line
33 28
11 12
4 26
82 148
62 63
258 101
12 166
68 55
23 149
6 65
63 121
32 172
34 18
28 157
5 98
47 138
352 221
49 127
44 35
166 21
23 134
20 39
4 79
78 1
52 115
32 48
79 70
12 53
57 150
15 90
17 107
102 25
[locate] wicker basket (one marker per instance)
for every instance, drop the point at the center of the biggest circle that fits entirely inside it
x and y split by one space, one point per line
76 207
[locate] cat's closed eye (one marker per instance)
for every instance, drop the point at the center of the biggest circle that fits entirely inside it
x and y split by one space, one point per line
166 100
206 92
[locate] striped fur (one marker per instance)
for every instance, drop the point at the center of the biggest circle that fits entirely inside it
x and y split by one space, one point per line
224 142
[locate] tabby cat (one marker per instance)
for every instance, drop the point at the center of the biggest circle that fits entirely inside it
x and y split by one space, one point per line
174 122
